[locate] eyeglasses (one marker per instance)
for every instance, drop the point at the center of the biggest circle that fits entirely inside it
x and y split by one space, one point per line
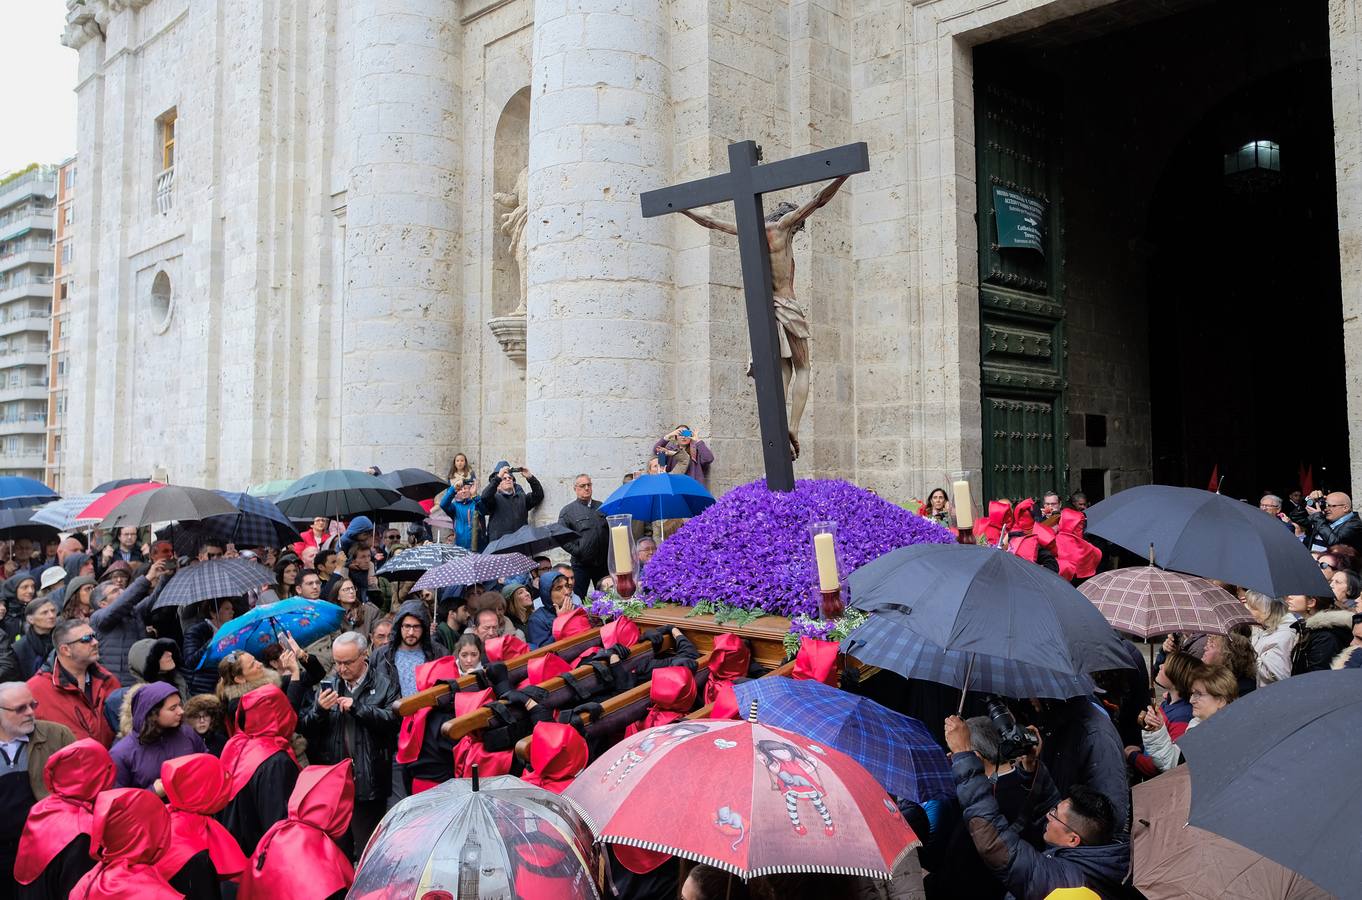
583 484
22 707
1054 814
1325 565
86 639
347 663
1336 505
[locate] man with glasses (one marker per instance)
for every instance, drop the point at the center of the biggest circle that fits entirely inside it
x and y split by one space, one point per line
74 691
25 745
352 718
1080 850
1333 522
583 517
310 585
505 503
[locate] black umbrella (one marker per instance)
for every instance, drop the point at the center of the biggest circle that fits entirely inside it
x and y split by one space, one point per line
117 483
336 494
1277 772
417 484
532 539
171 503
403 509
977 600
213 579
410 564
17 522
1210 535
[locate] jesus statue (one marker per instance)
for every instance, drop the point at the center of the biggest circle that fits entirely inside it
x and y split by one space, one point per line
781 226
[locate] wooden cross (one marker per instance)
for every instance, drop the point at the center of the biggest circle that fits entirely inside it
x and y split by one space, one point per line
743 185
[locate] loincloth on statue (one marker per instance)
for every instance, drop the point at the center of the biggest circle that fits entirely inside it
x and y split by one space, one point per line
793 331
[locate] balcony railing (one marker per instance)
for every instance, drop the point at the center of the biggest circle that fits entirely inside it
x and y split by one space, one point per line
165 190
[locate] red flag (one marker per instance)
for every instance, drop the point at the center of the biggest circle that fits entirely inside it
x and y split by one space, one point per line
1307 479
1214 485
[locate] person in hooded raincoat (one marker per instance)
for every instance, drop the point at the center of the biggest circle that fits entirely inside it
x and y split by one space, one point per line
153 731
299 857
131 831
558 754
557 596
54 849
261 765
202 853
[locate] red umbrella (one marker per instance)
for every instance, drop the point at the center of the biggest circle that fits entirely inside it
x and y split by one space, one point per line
759 800
96 511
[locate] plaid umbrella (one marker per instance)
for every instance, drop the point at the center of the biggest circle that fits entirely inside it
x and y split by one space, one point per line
417 484
475 569
529 539
256 523
213 579
63 514
336 494
172 503
1147 601
18 491
415 562
256 629
900 752
883 642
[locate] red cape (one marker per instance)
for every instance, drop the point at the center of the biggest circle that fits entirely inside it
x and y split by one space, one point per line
131 830
574 621
558 754
1077 557
197 788
542 668
469 752
672 691
265 723
997 522
74 776
413 731
298 857
508 646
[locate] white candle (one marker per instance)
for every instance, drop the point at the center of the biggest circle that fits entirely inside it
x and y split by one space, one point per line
964 510
826 556
619 539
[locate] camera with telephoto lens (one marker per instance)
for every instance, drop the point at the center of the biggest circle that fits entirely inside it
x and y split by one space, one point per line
1013 740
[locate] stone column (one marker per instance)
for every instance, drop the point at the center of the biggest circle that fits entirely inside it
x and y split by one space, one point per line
599 373
399 336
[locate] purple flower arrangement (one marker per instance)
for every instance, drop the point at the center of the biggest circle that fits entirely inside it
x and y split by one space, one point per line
752 548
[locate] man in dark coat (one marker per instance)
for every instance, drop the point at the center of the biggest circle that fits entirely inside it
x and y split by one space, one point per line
1083 747
505 503
352 718
584 518
410 646
1333 522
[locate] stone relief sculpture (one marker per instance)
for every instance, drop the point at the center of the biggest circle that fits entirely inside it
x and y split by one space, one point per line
513 226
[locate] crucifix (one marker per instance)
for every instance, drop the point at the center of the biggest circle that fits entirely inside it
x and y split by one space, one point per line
743 185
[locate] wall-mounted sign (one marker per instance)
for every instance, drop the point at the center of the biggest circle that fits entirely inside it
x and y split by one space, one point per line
1020 219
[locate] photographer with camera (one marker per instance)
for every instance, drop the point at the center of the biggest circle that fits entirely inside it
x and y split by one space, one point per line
1331 521
505 503
1080 847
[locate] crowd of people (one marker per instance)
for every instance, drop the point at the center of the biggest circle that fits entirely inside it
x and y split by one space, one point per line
117 741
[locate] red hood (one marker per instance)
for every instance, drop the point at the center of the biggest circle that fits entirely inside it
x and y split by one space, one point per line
467 701
196 783
574 621
131 826
557 755
1071 521
1023 518
500 649
729 660
265 724
621 631
673 689
446 668
816 661
998 521
542 668
74 776
725 702
324 798
1077 557
197 788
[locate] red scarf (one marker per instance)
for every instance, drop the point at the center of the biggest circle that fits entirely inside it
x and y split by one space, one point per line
265 722
74 776
130 832
413 731
298 856
727 663
196 788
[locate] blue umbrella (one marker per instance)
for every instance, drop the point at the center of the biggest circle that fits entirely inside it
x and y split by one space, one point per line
64 514
17 491
900 752
256 523
306 620
653 497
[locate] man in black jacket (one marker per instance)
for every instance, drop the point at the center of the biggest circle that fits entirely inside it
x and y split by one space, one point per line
583 516
505 503
352 718
411 645
1333 522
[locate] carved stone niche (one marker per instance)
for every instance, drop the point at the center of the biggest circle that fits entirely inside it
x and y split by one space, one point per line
510 333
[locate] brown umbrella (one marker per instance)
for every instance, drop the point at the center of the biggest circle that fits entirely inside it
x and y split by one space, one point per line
1147 601
1175 860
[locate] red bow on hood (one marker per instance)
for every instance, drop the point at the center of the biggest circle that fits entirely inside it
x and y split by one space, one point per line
672 691
508 646
998 521
412 734
469 751
265 725
197 788
1077 557
542 668
620 631
298 857
74 776
574 621
558 754
816 661
728 662
131 830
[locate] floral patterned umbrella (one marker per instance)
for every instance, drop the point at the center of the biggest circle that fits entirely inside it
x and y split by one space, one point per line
759 801
253 631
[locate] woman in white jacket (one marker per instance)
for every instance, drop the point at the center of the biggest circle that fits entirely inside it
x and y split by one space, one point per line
1273 638
1213 689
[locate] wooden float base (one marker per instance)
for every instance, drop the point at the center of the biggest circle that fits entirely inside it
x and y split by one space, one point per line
766 635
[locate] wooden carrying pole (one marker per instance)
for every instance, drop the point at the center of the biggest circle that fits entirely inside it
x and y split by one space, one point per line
784 671
409 704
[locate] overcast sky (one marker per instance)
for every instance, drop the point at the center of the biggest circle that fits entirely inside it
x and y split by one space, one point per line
39 106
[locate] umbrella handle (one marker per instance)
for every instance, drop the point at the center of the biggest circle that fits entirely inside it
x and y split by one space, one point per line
969 670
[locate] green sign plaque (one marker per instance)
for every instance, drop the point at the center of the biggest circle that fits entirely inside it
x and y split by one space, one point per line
1020 219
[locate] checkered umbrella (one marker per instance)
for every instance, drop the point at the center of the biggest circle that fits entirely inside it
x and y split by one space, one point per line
475 569
883 642
900 752
212 580
415 562
256 523
1147 601
64 514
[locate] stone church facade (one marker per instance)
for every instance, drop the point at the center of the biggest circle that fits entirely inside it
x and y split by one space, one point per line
296 255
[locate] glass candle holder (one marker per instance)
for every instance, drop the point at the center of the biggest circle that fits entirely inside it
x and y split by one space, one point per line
829 585
622 557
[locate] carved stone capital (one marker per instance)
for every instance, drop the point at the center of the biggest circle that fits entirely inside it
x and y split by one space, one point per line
81 25
510 333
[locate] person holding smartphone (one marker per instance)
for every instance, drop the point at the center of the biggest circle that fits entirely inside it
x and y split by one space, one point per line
506 504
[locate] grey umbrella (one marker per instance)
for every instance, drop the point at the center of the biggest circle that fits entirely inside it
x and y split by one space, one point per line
171 503
1195 531
213 580
531 539
1277 772
336 494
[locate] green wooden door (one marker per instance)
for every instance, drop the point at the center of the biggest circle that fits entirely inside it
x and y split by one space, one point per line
1021 284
